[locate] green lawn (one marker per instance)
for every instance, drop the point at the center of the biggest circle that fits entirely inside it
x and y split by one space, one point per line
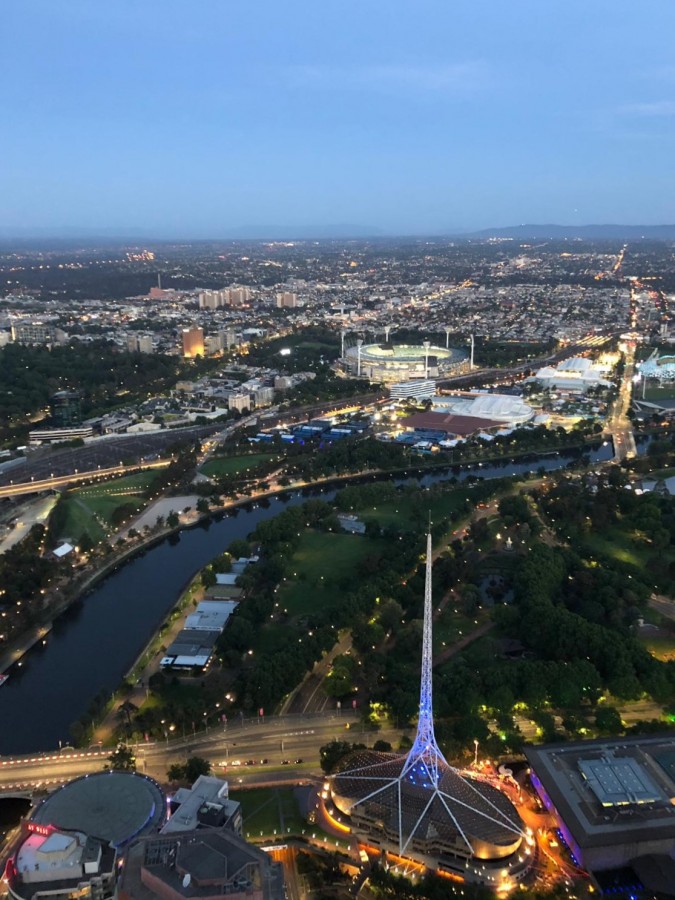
617 545
265 810
660 644
78 521
452 626
406 510
136 483
89 510
316 569
233 465
318 562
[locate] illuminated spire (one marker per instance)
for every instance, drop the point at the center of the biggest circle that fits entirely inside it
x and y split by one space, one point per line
425 762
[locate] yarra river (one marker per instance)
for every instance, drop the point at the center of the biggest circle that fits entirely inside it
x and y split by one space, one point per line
93 645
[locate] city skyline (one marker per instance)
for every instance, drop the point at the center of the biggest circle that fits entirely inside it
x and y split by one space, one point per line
168 122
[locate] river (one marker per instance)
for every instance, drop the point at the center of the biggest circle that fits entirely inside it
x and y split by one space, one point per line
94 644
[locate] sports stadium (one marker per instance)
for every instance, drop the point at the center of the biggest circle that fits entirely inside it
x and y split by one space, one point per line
388 363
660 368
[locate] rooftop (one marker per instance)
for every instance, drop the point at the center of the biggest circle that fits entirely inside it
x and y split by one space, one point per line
609 790
110 806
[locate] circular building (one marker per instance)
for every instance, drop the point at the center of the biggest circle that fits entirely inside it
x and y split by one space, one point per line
389 363
113 807
446 821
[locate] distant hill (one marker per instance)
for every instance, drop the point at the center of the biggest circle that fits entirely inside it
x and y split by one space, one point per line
585 232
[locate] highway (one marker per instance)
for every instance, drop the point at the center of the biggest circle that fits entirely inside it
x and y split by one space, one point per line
60 481
227 747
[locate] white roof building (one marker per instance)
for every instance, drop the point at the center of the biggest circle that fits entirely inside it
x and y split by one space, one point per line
575 374
498 407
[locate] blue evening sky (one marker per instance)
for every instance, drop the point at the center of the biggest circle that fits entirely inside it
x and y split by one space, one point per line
202 118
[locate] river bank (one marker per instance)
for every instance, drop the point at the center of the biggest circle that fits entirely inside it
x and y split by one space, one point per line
94 644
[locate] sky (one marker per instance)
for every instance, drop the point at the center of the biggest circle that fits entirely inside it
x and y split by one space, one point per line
217 118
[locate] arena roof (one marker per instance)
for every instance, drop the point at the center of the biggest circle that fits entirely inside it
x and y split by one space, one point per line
110 806
618 782
448 423
484 814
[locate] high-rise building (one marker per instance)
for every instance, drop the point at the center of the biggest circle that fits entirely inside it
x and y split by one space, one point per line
140 343
193 342
287 299
37 333
65 408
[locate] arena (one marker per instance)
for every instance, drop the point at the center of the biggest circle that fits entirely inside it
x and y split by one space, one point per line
659 368
111 806
387 363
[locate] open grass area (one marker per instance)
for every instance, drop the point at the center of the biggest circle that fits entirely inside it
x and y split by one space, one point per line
234 465
269 811
452 626
618 545
315 572
317 564
129 484
78 520
405 511
660 644
91 510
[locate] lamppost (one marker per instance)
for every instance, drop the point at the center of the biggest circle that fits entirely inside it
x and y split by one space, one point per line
475 754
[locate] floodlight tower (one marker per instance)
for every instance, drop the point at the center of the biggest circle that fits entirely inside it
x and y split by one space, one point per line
472 349
387 332
427 344
359 344
342 343
447 337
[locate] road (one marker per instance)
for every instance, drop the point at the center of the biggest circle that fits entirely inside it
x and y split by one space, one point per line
227 747
619 426
60 481
35 512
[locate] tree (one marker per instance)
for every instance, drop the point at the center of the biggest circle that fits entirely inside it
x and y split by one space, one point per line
122 759
196 766
608 720
172 519
332 752
190 770
203 505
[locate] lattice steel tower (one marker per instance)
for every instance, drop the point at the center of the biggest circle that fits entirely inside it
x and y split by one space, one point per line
421 797
425 755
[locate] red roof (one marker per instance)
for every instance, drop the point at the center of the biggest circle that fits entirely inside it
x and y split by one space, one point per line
457 425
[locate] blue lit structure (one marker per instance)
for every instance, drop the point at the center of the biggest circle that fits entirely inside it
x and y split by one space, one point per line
422 806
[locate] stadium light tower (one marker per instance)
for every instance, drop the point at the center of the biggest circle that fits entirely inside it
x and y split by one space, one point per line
387 332
342 343
427 344
359 344
447 337
472 348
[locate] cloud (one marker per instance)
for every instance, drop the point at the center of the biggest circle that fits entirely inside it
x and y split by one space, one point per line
448 78
655 109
